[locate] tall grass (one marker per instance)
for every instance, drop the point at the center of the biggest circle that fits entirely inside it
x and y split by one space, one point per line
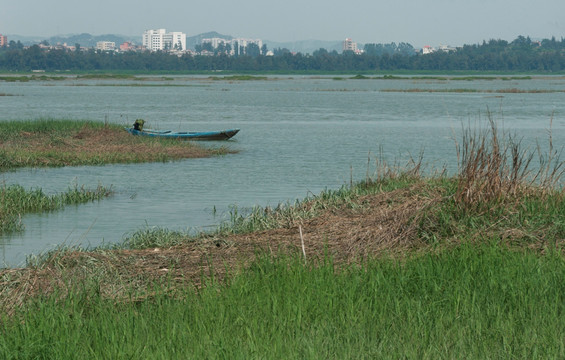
15 201
470 302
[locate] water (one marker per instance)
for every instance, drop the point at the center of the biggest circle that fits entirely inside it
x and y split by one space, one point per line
299 135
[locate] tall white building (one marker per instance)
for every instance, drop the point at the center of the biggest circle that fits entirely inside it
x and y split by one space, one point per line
240 42
160 39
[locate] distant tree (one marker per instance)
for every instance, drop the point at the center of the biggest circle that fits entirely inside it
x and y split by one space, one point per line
280 52
320 52
207 46
236 48
220 49
15 45
252 50
264 49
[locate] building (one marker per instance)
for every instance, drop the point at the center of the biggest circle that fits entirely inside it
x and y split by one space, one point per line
428 50
241 43
161 40
3 40
349 45
127 46
216 42
106 46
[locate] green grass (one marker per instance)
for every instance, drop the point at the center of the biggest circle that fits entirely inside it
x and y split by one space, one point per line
107 76
15 201
31 78
57 128
238 78
467 302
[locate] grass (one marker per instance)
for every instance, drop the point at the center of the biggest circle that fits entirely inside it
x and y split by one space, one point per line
472 302
31 78
498 91
397 266
17 201
55 143
238 78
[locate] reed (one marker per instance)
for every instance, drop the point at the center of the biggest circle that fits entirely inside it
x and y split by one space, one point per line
15 201
154 237
492 168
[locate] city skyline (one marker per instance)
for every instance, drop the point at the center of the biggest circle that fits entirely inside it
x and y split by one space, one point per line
416 22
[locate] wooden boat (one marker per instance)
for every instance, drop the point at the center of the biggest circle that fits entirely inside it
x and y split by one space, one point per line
187 135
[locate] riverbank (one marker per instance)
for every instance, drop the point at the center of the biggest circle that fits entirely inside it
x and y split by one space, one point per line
400 265
55 143
393 268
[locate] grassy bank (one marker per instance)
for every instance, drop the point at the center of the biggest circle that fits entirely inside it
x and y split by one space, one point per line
53 143
398 266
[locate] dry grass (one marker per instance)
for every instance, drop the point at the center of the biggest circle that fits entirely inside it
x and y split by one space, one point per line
386 222
494 167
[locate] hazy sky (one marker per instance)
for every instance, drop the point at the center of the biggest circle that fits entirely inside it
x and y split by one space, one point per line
418 22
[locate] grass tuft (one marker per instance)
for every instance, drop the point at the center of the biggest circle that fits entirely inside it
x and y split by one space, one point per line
15 201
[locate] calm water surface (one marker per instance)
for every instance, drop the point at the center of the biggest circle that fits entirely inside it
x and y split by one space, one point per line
299 135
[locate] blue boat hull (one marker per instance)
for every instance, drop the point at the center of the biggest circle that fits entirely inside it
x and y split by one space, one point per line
188 135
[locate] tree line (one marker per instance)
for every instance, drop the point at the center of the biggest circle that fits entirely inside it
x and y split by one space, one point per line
520 55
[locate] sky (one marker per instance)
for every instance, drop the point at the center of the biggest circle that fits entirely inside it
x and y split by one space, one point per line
418 22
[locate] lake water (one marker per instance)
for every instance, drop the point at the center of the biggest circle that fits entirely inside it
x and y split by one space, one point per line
299 135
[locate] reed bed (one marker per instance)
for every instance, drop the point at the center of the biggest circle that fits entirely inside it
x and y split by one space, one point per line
55 143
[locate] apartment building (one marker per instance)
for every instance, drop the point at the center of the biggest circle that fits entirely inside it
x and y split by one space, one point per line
3 40
160 39
349 45
240 42
106 46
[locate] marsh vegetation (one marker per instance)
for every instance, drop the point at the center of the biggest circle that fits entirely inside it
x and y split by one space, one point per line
399 265
54 143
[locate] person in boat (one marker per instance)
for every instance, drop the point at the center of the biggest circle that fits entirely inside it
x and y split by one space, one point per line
138 124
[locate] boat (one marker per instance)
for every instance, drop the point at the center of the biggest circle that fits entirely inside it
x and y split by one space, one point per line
187 135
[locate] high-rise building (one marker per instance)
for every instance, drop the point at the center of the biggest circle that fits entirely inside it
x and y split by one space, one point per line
349 45
160 39
3 40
